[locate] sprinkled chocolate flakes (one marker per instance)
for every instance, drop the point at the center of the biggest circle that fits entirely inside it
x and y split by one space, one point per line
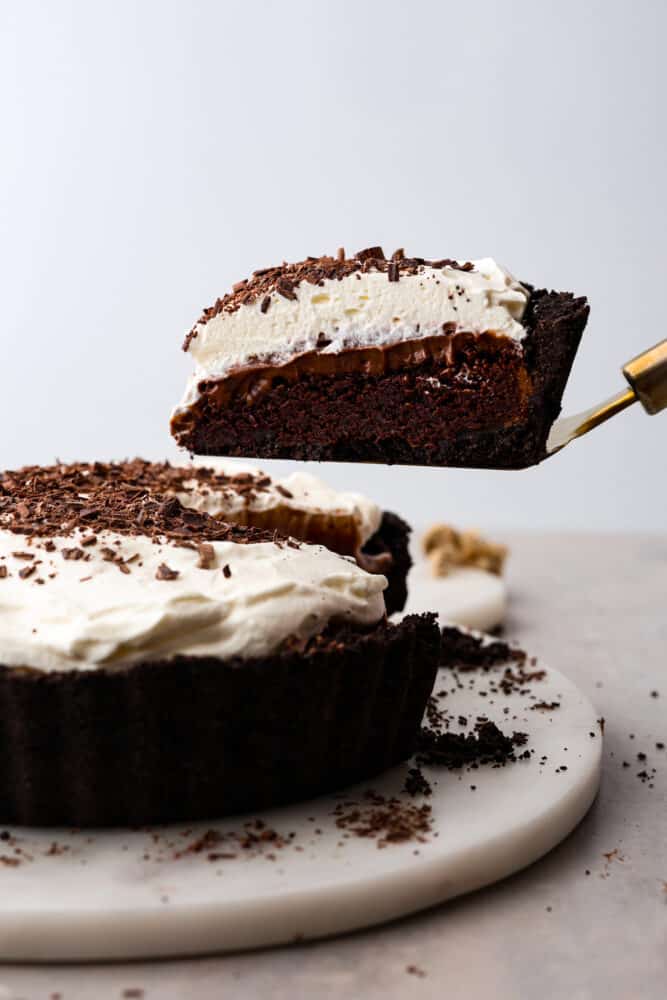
285 278
126 498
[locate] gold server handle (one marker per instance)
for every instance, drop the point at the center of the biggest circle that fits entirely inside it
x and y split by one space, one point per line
647 374
647 378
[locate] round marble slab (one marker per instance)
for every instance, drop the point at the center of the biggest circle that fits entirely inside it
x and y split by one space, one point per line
175 890
467 596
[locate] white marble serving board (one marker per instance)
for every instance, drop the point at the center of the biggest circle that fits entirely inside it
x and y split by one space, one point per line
467 596
129 894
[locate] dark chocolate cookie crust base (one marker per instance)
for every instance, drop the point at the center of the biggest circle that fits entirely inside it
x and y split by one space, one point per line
463 650
196 738
393 537
397 423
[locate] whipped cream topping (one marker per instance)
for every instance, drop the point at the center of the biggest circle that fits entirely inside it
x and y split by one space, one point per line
67 603
362 309
300 491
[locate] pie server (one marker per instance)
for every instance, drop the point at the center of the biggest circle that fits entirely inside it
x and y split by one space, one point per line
647 383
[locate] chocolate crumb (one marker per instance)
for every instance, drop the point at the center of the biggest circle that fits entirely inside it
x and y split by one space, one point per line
3 572
226 571
266 302
486 745
386 820
416 783
414 970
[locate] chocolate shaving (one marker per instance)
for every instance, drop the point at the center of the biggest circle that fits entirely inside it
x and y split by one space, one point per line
163 572
286 289
370 253
206 555
72 554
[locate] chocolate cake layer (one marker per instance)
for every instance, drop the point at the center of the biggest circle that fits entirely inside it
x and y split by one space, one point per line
191 738
458 399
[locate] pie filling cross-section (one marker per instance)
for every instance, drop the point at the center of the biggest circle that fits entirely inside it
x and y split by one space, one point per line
369 359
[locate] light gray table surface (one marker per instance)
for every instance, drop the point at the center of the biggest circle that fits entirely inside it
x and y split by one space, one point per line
594 607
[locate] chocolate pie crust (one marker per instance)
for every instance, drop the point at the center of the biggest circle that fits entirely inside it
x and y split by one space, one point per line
190 738
389 548
459 399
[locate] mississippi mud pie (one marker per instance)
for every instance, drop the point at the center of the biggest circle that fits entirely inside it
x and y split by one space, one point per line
364 358
158 664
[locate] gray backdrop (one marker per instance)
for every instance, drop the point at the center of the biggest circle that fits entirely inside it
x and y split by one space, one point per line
154 153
